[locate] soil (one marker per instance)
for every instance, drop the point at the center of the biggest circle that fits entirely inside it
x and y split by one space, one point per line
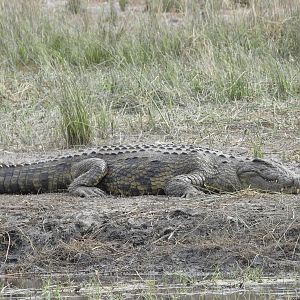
156 234
227 233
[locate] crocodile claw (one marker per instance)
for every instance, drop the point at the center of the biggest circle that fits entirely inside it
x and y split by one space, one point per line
191 193
88 192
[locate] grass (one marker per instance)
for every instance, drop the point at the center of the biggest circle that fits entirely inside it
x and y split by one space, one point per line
123 4
73 106
252 285
164 5
74 6
209 72
257 148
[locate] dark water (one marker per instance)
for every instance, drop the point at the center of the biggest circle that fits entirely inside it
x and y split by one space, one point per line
137 286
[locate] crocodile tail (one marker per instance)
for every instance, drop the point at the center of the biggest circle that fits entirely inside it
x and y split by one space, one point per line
34 178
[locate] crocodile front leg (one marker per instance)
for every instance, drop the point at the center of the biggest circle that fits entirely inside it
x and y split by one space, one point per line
87 174
185 185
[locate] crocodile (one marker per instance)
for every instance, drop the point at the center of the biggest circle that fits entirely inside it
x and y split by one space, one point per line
153 169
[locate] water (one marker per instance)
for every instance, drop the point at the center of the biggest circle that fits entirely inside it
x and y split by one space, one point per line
137 286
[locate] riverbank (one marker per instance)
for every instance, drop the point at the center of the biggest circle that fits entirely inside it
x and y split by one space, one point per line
225 234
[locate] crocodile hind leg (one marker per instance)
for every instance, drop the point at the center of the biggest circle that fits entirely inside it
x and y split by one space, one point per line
185 185
87 174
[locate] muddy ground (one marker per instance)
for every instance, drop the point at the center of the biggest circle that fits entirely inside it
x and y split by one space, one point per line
221 234
214 233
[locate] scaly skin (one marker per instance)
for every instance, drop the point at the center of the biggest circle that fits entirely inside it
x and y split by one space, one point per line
174 170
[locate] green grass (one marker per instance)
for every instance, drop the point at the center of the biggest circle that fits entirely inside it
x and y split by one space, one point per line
257 148
123 4
74 112
206 72
158 6
74 6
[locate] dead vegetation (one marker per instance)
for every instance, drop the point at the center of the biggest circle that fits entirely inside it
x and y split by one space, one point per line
232 233
220 73
214 73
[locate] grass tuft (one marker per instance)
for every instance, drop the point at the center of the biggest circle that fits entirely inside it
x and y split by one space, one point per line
74 6
123 4
75 117
258 148
159 6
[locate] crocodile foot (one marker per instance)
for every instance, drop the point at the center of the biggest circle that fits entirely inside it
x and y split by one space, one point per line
191 193
88 191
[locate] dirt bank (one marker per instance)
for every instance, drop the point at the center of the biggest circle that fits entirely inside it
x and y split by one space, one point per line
58 232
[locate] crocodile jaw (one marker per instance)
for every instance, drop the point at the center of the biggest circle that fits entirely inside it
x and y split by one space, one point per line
270 176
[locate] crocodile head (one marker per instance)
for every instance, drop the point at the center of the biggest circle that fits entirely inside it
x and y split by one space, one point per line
267 175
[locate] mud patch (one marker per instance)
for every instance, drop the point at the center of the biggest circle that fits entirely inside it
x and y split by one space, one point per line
58 232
